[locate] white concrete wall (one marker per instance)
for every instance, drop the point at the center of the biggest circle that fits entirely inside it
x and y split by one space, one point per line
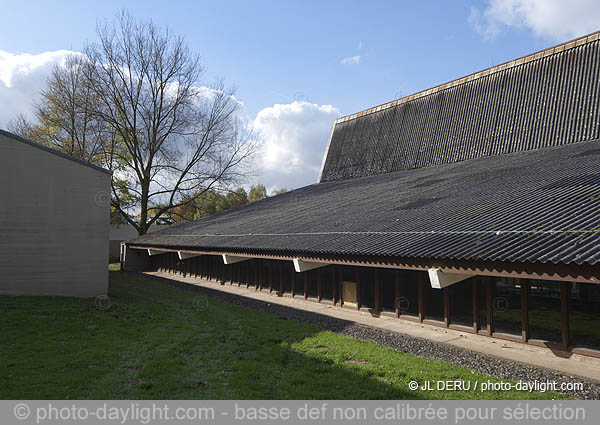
54 223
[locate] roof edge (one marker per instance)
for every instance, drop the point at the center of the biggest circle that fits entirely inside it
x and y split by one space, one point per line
488 71
53 151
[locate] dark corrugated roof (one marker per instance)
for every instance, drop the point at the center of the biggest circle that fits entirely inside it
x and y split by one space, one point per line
535 206
52 151
550 99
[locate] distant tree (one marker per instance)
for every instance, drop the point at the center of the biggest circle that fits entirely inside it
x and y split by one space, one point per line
278 192
257 193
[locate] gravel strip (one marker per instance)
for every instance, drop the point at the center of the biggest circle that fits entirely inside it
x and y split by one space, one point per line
495 366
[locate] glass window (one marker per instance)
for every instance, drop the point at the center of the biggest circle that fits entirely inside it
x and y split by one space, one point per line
543 310
408 303
367 287
482 303
387 285
433 302
584 315
507 306
461 303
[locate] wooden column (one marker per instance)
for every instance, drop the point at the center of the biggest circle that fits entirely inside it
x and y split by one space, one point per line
377 282
319 293
565 298
490 304
334 295
524 306
293 280
281 277
305 285
256 273
475 291
447 316
341 284
358 288
397 292
421 300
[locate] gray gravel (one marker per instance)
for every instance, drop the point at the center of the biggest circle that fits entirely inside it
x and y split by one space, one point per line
501 368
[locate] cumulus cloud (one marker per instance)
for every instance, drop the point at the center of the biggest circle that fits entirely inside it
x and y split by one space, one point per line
22 77
553 19
295 136
351 60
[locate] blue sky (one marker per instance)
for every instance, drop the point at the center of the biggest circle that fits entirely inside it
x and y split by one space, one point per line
278 52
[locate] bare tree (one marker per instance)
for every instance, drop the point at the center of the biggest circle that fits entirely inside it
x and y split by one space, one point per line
66 118
176 138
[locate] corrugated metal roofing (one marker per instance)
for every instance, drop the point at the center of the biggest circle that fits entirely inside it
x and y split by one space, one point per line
551 99
535 206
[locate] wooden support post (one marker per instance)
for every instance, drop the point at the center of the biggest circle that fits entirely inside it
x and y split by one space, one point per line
341 284
565 298
524 309
475 292
447 316
358 305
319 294
305 285
281 277
377 282
490 285
293 277
256 272
334 284
270 275
397 292
421 300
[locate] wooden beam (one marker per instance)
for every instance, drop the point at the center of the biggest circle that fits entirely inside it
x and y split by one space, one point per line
303 265
231 259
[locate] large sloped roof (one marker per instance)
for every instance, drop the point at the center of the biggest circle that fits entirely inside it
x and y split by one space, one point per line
534 206
545 99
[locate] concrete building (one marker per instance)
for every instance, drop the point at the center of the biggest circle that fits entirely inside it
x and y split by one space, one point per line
473 205
54 222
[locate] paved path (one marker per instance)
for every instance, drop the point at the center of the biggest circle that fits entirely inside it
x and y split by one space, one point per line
567 363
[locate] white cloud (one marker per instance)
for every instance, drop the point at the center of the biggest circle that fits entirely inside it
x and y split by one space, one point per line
351 60
553 19
295 136
22 77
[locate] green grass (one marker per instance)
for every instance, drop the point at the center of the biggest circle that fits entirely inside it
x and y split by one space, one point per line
158 342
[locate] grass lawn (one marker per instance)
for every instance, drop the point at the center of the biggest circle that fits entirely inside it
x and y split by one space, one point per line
158 342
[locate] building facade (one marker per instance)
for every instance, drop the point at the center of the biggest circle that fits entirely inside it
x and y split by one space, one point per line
472 205
54 222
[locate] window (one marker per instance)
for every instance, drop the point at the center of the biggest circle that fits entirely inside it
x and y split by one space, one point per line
584 315
506 306
544 311
461 303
